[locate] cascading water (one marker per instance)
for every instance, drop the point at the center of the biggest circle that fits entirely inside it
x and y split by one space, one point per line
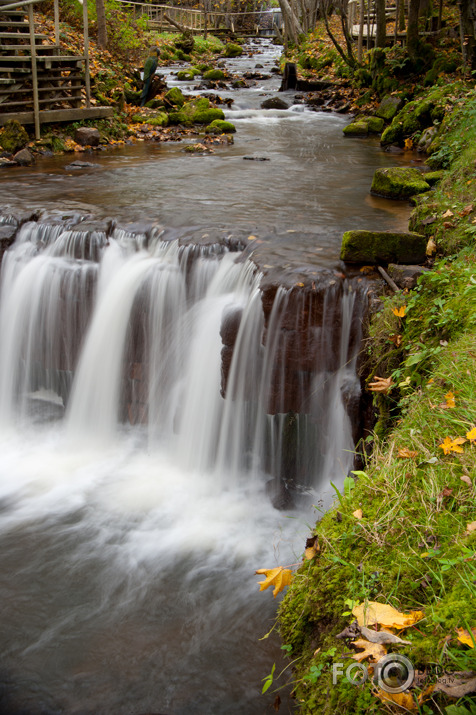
235 405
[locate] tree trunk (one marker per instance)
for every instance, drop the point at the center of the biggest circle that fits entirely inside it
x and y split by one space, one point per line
381 33
101 20
292 25
467 9
413 34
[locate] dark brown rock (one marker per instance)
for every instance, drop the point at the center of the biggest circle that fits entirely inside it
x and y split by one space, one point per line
87 136
24 157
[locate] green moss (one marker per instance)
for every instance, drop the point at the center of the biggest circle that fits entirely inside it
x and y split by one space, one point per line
13 136
175 97
232 50
398 183
388 107
357 128
218 126
160 120
198 111
214 75
382 247
433 177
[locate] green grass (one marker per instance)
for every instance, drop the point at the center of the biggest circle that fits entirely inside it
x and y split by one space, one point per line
411 548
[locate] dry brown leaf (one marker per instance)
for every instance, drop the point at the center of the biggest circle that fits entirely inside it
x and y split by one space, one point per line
467 210
406 453
374 651
466 480
471 527
357 513
426 694
371 612
458 688
381 384
396 340
278 577
448 214
430 247
405 700
465 636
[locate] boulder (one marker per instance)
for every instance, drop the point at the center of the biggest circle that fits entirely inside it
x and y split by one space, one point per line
356 129
13 136
232 50
405 276
24 157
388 107
274 103
198 111
174 98
398 183
214 75
383 247
218 126
433 177
426 139
87 136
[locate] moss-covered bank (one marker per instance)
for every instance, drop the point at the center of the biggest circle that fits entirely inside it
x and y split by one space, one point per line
413 544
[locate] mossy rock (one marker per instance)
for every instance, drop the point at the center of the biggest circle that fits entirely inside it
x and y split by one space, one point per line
218 126
13 137
232 50
376 124
201 68
433 177
388 107
174 97
398 183
160 120
214 75
382 247
198 111
392 135
132 96
358 128
187 75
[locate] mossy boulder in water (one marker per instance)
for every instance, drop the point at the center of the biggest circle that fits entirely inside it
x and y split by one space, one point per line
362 125
214 75
398 183
198 111
232 50
218 126
13 137
383 247
388 107
187 75
174 98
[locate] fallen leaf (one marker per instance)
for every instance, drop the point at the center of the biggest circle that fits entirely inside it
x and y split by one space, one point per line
405 700
448 214
452 445
471 435
251 238
430 247
471 527
396 340
467 210
467 480
372 612
381 636
446 492
450 400
426 694
374 651
381 384
278 577
406 453
465 636
357 513
312 547
458 689
408 143
400 312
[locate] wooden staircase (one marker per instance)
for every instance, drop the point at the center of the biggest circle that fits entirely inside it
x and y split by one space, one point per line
37 82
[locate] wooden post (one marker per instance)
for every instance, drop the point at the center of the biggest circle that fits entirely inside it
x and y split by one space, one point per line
34 73
86 53
56 10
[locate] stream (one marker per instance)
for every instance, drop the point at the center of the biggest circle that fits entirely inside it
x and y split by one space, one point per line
128 551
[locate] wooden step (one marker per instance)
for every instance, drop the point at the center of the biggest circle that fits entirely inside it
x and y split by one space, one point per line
15 70
20 36
28 90
49 101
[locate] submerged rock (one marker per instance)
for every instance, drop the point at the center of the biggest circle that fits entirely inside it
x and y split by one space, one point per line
383 247
399 183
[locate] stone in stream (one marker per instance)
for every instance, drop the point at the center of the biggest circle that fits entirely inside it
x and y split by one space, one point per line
81 165
7 237
383 247
274 103
405 276
398 183
388 107
87 136
24 157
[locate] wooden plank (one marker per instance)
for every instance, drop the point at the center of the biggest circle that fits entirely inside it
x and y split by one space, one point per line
59 115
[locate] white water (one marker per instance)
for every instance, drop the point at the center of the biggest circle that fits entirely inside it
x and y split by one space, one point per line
129 551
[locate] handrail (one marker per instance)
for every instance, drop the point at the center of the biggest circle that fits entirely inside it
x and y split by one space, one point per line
22 3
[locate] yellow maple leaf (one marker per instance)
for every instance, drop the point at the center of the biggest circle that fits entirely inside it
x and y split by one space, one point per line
400 312
406 453
465 636
278 577
408 143
471 435
381 384
373 651
405 700
450 399
371 612
430 247
452 445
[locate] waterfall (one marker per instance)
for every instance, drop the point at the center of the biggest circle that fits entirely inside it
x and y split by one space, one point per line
129 328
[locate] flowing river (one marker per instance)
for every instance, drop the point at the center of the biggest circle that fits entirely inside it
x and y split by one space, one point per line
128 551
